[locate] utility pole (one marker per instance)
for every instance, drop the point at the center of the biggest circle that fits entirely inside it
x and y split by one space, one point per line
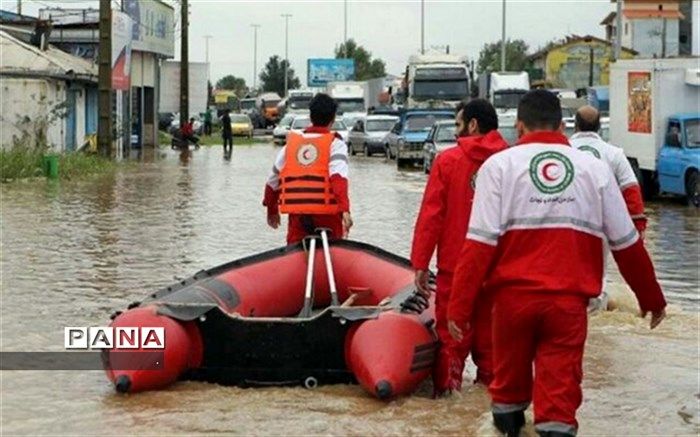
255 55
422 27
206 57
184 65
663 38
19 7
345 29
104 120
618 32
503 38
286 52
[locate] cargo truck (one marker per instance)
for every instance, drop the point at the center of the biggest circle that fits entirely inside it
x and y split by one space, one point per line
655 118
436 80
504 89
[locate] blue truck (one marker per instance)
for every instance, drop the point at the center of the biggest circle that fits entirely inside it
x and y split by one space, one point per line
406 140
655 118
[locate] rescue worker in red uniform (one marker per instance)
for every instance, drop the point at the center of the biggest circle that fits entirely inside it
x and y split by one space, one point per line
309 179
535 241
442 222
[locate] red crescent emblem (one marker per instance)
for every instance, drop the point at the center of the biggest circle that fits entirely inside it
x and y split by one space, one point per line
304 154
545 171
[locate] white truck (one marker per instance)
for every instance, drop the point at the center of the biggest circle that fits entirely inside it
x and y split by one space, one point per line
504 89
436 80
351 98
655 118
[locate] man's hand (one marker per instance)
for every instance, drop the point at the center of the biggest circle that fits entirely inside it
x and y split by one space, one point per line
421 282
273 220
455 331
347 224
656 317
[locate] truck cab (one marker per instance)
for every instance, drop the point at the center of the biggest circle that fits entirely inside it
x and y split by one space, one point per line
436 81
678 162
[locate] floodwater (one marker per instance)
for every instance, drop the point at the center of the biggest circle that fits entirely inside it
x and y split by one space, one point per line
73 252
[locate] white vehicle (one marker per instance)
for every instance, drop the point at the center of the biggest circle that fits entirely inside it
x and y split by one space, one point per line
350 97
279 134
301 122
655 118
297 102
436 81
504 89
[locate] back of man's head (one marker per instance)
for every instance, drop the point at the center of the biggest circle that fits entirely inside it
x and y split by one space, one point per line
587 119
540 110
483 112
322 109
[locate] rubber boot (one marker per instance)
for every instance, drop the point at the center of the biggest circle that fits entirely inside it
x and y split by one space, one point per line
509 423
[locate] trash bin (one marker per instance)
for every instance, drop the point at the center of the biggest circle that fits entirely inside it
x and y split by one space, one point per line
51 166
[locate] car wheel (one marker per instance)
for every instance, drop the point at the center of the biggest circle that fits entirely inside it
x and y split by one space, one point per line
692 188
366 150
352 149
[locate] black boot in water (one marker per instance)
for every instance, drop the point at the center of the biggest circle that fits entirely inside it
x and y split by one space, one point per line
509 423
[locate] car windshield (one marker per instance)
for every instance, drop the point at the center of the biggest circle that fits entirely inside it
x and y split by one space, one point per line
443 89
351 105
380 125
237 118
507 99
422 122
286 121
339 125
247 104
692 133
445 133
301 123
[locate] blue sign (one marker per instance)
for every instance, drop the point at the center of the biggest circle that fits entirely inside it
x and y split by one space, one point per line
322 71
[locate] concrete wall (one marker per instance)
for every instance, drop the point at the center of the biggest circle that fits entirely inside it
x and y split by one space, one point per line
29 106
568 66
646 37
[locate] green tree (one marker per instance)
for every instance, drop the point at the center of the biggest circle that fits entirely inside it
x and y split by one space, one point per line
516 56
272 77
233 83
365 66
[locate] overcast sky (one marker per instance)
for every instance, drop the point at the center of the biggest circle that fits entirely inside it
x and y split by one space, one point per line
389 29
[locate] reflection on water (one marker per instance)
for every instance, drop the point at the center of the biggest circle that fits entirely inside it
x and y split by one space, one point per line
72 252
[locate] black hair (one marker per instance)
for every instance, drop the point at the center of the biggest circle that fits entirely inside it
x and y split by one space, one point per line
483 112
322 109
583 125
540 110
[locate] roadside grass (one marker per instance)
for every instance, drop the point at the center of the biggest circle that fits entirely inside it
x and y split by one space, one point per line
24 162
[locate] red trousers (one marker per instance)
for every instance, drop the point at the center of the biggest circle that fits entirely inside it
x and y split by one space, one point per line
302 225
449 365
548 330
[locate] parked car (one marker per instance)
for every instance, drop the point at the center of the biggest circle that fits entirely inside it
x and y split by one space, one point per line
279 134
301 122
440 137
406 140
368 133
241 125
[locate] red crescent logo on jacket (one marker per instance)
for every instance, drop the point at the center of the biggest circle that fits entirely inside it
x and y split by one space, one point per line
307 154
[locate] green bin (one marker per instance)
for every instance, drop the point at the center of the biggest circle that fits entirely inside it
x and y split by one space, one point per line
51 166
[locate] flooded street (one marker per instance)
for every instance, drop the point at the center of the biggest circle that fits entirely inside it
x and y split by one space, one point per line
73 252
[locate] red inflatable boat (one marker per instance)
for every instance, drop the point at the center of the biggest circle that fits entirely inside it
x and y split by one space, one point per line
269 319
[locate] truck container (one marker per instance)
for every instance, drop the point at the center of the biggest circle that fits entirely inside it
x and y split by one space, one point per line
655 118
436 80
504 89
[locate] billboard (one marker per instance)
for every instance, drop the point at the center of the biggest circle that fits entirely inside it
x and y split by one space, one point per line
121 50
639 102
170 87
153 27
322 71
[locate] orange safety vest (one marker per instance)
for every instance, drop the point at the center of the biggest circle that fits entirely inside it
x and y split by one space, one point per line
305 179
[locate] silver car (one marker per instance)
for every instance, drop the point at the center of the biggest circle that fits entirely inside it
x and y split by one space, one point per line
279 134
367 135
441 137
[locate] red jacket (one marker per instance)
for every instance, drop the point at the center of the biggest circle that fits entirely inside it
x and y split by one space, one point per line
447 202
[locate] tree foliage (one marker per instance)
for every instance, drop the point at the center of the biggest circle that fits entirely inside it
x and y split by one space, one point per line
272 76
365 66
516 56
233 83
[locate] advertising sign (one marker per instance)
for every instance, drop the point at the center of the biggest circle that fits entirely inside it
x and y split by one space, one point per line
170 87
639 102
153 29
121 50
322 71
